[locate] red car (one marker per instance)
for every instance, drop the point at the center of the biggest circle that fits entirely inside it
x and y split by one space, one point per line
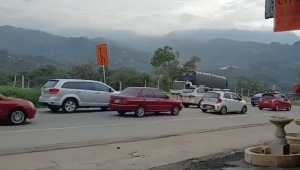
16 111
274 101
143 99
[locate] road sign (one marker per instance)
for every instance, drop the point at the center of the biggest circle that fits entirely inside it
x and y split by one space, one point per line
287 15
102 57
269 9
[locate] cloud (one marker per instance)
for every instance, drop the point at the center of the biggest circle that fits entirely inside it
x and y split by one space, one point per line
142 16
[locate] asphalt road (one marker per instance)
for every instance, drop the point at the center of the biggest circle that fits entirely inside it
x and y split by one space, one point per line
50 131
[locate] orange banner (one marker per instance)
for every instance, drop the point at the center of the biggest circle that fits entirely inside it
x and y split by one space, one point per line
287 15
102 57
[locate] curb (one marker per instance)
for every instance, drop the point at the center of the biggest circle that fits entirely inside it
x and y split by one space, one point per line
73 145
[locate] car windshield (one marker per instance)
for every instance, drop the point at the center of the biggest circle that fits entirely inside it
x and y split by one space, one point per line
190 90
129 91
212 95
268 96
258 95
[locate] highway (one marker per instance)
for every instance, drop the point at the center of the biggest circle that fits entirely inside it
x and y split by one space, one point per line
93 127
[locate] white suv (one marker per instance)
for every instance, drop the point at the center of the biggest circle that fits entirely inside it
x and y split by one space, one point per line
70 94
223 102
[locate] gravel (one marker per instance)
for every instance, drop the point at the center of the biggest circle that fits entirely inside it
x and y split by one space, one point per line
233 160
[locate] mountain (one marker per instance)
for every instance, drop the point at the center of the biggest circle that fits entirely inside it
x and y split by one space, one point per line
150 43
13 62
69 50
275 62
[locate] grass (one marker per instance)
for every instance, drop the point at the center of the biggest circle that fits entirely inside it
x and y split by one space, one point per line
26 94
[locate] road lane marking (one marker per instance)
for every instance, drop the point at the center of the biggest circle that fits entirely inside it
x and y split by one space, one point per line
141 122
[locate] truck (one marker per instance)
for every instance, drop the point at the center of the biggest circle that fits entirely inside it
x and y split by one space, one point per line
190 79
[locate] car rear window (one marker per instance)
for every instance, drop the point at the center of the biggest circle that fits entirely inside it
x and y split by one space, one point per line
212 95
129 91
51 83
268 96
188 90
258 95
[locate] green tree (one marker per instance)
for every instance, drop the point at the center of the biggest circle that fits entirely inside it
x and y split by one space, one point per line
166 63
87 71
128 77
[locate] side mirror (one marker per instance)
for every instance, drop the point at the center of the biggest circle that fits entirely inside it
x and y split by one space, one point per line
110 90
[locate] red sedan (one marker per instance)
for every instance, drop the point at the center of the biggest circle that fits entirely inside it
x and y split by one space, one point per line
16 111
274 101
143 99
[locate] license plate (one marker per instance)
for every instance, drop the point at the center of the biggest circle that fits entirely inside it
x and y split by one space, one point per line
117 101
208 107
45 93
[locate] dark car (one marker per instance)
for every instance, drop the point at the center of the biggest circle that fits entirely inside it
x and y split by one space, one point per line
143 99
16 111
255 99
274 101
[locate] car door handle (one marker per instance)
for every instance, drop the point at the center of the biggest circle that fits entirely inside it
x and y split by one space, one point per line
98 92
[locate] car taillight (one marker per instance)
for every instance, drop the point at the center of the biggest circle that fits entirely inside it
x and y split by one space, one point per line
219 100
53 91
191 97
124 101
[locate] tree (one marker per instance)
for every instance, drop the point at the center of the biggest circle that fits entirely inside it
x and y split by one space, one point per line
84 71
128 77
166 63
191 64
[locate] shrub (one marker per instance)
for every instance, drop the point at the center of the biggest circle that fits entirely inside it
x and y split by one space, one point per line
26 94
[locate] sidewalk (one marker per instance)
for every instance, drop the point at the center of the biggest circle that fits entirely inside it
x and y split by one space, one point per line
143 154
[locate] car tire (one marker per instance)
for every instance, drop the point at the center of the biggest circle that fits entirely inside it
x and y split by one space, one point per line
140 111
105 108
121 113
223 110
204 110
69 106
186 105
175 111
199 104
289 108
17 117
253 104
244 110
260 108
54 109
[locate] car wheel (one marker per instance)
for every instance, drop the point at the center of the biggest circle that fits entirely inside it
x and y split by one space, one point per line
260 108
289 108
104 108
140 112
54 108
69 106
17 117
121 113
186 105
244 110
199 104
223 110
175 111
204 110
253 104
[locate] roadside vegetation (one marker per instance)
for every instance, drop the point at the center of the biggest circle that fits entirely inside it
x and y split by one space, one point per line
26 83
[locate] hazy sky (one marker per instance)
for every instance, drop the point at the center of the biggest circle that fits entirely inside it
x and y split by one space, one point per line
142 16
